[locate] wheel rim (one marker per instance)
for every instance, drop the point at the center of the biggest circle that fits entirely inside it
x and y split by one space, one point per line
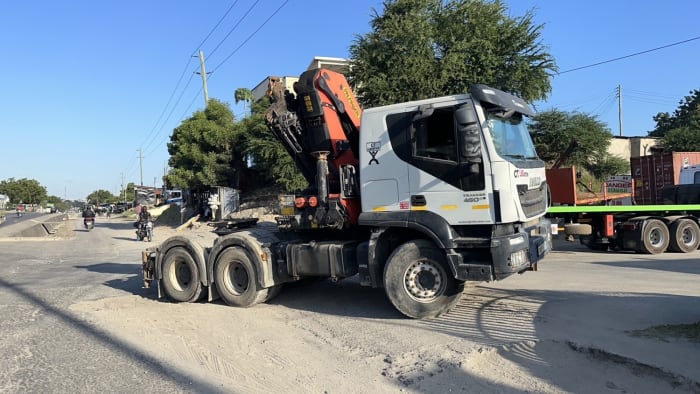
236 278
656 237
180 275
424 280
688 236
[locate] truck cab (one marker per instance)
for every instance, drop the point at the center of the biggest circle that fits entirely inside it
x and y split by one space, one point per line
463 170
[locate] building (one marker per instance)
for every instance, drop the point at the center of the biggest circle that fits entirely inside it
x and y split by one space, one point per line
629 147
3 201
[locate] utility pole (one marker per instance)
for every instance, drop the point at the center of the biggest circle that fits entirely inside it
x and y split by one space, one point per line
141 165
619 106
123 192
203 73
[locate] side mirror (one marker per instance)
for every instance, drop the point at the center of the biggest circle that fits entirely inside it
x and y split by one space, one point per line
466 116
468 129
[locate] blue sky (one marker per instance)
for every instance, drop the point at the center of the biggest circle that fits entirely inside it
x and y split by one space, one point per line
85 84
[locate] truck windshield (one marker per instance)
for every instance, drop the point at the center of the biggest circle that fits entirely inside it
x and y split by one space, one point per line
511 137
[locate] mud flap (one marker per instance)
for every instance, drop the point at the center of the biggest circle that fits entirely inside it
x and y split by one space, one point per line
148 258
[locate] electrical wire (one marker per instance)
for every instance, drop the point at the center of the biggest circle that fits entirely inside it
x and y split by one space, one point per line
250 36
214 28
630 55
213 51
150 137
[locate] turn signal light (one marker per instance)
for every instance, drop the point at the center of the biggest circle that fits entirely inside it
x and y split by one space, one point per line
300 202
313 201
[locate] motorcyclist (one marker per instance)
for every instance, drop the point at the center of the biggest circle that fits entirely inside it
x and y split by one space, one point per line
88 212
143 218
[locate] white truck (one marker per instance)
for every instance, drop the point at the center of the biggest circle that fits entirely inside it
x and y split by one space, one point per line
416 198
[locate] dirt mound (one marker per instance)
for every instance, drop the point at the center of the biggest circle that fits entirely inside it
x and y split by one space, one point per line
170 217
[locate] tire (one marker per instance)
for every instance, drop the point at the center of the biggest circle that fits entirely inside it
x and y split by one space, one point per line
181 279
685 236
150 235
578 229
418 282
235 278
655 237
273 292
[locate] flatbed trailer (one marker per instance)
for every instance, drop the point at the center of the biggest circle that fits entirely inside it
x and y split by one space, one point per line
649 229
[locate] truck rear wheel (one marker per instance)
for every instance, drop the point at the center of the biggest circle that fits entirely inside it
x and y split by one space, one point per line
418 282
655 237
685 236
181 276
235 278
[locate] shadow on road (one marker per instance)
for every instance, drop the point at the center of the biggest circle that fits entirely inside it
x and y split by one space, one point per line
345 298
690 265
146 362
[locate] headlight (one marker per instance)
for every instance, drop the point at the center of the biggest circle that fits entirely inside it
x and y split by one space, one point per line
519 258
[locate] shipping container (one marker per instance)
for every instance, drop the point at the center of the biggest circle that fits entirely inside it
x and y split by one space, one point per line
651 173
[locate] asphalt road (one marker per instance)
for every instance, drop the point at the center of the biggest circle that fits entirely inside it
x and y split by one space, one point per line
577 297
12 218
44 347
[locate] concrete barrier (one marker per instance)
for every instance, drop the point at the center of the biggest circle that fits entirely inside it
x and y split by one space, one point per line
47 225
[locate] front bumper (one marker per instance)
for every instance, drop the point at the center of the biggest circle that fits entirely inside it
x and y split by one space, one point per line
507 255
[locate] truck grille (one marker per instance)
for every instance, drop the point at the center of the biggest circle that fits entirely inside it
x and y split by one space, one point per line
533 201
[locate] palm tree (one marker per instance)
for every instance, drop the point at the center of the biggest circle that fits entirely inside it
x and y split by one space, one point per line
245 95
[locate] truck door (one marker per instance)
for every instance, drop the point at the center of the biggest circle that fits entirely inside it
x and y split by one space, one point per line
446 175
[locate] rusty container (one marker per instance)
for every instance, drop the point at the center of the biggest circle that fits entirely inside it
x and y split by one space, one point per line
652 172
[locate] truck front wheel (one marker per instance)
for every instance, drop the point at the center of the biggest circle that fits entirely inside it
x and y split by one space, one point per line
418 282
181 276
235 278
685 236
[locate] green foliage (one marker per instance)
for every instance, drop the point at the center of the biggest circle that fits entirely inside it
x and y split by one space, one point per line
681 130
58 203
682 139
204 149
553 131
429 48
272 161
607 165
26 191
101 196
245 95
685 117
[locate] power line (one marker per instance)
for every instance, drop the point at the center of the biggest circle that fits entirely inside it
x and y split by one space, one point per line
152 135
631 55
250 36
171 111
182 117
233 28
214 28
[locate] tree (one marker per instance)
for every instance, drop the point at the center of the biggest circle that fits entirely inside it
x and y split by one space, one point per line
58 203
426 48
27 191
270 158
204 150
245 95
681 130
99 197
553 131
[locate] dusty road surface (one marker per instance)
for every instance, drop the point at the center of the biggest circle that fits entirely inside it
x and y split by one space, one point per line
75 319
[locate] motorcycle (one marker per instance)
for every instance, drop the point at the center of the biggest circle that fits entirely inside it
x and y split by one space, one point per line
89 223
145 231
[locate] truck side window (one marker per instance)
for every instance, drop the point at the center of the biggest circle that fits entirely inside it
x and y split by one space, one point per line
434 136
